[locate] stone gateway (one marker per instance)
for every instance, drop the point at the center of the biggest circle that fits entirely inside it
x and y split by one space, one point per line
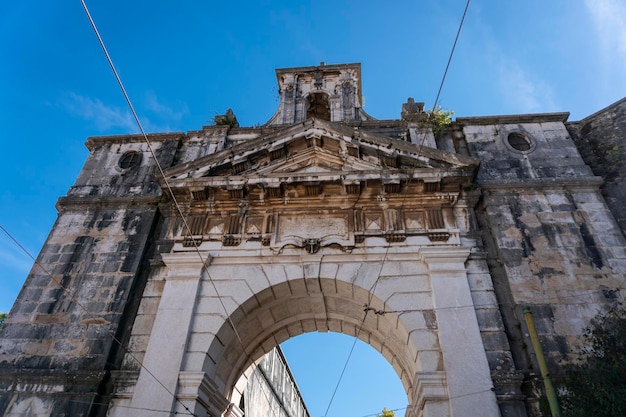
160 292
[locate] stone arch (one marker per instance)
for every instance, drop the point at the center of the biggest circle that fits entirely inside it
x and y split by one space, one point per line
334 306
318 105
426 334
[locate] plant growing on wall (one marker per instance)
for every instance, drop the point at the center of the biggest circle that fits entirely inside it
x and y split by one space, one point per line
3 317
438 120
595 386
386 413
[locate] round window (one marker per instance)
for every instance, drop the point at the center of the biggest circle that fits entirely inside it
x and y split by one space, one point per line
519 142
130 159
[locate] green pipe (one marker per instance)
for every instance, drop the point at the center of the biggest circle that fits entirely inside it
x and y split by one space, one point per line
547 382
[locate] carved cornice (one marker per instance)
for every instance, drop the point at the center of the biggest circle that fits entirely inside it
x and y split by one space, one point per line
340 140
450 258
92 142
513 119
56 381
317 184
80 201
532 184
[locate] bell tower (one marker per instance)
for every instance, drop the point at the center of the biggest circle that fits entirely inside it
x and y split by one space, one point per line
326 92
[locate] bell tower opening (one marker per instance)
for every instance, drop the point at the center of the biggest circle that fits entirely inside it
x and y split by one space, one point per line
326 92
318 106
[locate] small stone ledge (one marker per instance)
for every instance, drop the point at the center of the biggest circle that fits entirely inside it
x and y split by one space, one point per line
23 380
513 119
534 184
508 386
94 141
68 202
124 382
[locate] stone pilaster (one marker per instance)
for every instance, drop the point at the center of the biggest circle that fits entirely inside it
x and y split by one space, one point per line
158 379
430 396
470 387
201 395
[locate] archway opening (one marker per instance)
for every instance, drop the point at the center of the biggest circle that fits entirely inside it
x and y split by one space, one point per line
303 306
318 106
368 385
326 374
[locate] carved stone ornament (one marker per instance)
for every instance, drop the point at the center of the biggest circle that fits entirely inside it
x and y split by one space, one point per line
311 245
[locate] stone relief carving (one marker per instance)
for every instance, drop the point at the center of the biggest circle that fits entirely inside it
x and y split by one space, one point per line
312 231
312 245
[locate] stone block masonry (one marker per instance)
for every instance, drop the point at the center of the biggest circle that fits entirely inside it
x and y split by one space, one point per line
304 224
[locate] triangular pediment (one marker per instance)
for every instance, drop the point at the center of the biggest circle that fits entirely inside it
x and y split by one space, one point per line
316 160
319 149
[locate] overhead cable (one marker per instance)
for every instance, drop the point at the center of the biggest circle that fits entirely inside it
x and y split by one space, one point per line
169 189
372 289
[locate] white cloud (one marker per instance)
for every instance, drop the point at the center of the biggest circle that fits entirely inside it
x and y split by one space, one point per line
507 75
525 92
165 112
609 18
107 117
103 116
12 258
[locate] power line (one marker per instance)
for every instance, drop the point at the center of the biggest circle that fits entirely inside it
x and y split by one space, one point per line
179 210
542 300
458 32
345 365
169 189
372 289
445 72
154 410
377 414
92 315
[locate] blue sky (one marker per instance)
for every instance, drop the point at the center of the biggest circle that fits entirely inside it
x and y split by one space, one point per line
183 62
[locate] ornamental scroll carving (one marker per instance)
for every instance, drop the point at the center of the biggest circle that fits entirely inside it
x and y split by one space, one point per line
314 230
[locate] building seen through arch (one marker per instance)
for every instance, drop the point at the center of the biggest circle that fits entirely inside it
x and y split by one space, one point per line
300 225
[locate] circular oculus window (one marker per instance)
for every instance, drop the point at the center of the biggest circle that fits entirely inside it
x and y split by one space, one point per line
129 160
520 142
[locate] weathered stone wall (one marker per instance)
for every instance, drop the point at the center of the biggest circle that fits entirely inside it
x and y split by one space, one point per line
551 242
86 287
290 246
555 255
601 140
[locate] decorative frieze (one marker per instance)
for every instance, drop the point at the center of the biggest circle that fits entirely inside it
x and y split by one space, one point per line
279 188
273 192
280 227
435 219
200 195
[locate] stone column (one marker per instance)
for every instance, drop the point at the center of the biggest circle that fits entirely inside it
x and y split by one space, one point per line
470 388
168 339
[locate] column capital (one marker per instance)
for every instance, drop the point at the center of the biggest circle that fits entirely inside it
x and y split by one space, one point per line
233 411
443 254
198 387
186 265
430 386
